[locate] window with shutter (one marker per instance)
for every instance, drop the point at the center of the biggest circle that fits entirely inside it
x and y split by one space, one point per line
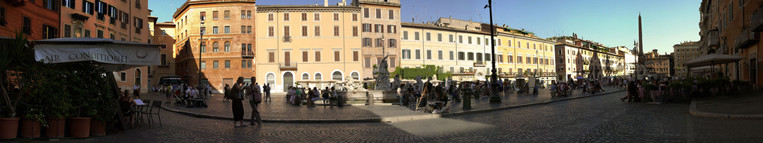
336 56
304 31
355 31
271 31
391 14
336 30
304 56
317 56
271 57
317 31
355 56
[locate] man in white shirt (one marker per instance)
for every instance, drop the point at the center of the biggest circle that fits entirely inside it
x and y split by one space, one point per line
188 94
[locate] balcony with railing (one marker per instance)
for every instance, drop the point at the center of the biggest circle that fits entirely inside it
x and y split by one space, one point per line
287 39
479 63
464 72
286 66
756 21
745 38
247 54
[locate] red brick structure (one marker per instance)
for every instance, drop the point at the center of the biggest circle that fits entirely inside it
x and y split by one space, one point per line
228 41
36 19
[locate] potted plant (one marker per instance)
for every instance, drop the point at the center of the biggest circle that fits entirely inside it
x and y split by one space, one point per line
14 57
105 104
31 123
55 101
84 97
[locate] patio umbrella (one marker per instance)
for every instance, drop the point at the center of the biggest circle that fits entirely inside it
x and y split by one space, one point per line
712 59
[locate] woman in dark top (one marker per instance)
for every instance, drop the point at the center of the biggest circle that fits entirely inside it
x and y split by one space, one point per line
238 107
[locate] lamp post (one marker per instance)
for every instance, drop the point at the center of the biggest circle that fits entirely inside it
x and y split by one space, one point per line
493 77
201 43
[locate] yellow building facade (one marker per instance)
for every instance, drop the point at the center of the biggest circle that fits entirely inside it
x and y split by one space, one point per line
309 45
463 48
454 50
522 54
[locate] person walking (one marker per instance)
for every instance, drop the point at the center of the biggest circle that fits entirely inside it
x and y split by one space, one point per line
266 88
238 107
226 92
255 98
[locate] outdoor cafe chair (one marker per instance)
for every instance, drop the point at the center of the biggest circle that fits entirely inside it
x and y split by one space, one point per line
143 110
155 108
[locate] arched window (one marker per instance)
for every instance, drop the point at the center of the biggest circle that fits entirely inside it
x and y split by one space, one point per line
355 75
271 79
336 76
305 76
318 77
216 47
227 46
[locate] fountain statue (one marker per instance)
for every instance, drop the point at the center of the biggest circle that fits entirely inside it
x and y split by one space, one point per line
396 83
382 75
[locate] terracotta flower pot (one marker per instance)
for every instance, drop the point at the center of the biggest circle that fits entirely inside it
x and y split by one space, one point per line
56 127
97 128
9 128
30 128
79 127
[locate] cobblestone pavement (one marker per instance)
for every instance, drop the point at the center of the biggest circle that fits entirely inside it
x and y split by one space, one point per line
278 109
594 119
746 104
513 99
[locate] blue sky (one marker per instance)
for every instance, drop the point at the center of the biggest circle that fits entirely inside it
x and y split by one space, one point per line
610 22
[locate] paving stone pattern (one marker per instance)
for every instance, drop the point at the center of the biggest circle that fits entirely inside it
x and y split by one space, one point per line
278 109
594 119
748 104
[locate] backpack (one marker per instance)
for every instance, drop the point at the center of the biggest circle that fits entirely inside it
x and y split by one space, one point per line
234 92
257 95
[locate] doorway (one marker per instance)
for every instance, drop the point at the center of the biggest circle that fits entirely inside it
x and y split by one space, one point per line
288 81
137 78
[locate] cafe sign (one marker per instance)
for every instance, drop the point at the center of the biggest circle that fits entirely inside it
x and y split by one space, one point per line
120 53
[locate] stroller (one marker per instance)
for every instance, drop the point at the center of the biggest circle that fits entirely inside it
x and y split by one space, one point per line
179 100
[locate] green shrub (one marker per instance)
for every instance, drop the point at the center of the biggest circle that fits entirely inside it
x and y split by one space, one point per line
424 72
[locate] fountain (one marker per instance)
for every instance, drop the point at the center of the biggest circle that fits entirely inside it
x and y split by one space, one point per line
385 89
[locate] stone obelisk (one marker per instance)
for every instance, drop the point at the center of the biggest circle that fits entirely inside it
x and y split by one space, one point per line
640 43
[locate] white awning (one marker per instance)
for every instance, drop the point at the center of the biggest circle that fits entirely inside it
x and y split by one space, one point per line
712 59
111 54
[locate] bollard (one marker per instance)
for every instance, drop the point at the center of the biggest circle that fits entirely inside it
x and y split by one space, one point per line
467 100
369 99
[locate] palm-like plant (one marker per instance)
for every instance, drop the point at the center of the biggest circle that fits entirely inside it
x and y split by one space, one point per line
15 56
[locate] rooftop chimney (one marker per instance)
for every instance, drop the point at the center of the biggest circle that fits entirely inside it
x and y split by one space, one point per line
325 3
